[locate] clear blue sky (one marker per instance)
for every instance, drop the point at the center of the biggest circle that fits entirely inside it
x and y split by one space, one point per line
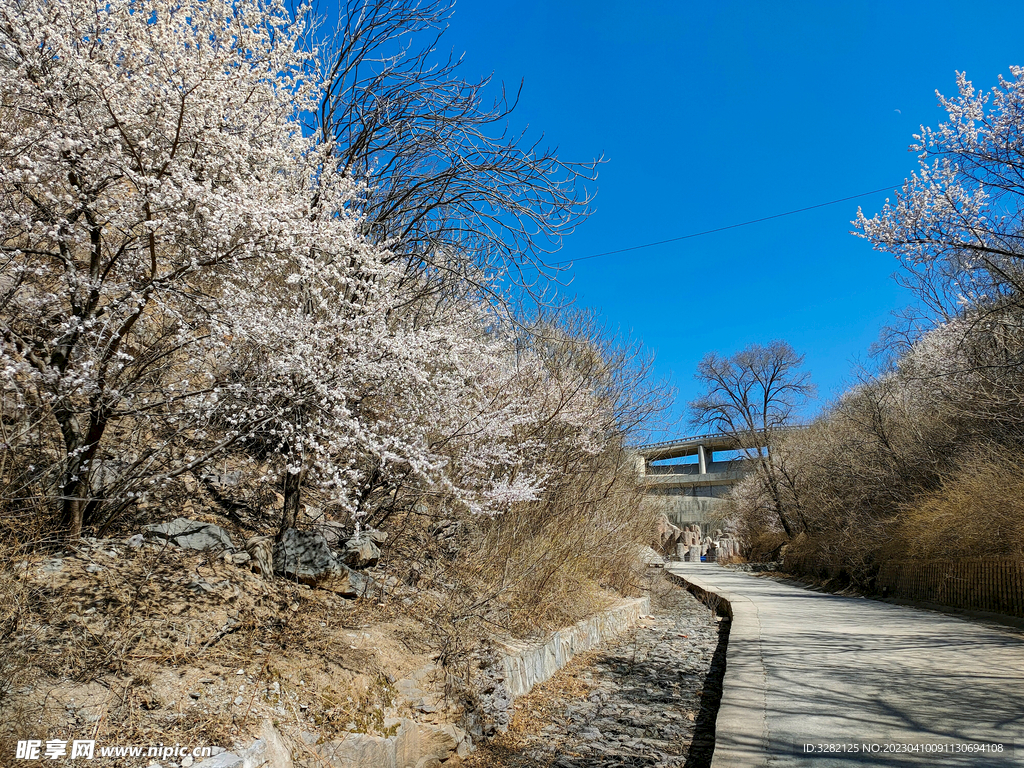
711 114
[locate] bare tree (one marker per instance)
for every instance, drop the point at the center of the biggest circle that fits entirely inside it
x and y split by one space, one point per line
753 396
451 190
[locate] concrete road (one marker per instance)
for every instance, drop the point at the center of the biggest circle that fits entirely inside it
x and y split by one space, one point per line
809 672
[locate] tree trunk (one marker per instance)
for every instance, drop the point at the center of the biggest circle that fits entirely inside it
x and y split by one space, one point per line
291 487
773 486
71 489
72 508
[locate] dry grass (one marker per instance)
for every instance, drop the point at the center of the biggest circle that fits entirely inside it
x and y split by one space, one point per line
555 562
977 511
766 546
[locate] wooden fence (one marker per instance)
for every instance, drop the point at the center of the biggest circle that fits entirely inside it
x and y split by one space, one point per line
976 583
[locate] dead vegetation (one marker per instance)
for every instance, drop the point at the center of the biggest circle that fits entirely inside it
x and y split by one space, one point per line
921 462
150 644
145 644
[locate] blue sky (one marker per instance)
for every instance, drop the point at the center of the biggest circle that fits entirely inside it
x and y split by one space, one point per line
711 114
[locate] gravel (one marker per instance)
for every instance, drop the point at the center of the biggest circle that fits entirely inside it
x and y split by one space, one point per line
638 702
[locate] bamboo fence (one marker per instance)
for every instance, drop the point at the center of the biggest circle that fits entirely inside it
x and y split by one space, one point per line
993 584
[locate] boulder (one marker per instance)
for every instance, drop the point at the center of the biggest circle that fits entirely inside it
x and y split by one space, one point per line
377 537
223 481
190 534
261 555
223 760
413 745
666 534
360 552
336 534
357 750
305 557
314 514
649 557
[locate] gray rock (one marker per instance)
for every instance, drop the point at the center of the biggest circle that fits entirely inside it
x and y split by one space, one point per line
271 747
414 744
189 534
360 553
223 481
357 750
440 741
335 534
223 760
256 755
377 537
201 586
305 557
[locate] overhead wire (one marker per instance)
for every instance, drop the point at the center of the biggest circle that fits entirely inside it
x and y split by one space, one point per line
723 229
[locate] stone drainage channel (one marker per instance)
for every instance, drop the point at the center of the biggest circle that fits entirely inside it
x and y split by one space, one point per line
648 699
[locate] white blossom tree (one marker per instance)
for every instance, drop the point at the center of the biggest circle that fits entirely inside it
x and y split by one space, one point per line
958 223
152 160
188 274
957 226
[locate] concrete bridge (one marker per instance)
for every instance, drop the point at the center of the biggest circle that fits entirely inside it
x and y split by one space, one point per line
694 492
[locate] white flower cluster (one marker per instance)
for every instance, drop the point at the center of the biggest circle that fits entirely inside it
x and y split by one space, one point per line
958 223
181 276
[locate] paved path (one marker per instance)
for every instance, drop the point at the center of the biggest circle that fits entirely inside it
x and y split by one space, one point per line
806 668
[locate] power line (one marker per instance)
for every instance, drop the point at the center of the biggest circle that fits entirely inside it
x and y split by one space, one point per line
722 229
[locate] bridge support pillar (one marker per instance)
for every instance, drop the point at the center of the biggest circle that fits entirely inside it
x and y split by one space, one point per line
704 457
640 464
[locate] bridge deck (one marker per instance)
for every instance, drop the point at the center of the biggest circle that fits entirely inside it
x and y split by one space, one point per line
716 441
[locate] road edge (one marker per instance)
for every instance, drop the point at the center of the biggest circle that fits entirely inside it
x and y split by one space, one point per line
741 729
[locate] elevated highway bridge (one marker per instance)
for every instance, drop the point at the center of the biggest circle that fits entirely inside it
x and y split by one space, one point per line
694 492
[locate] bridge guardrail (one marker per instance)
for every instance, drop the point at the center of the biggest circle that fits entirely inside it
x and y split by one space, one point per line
708 436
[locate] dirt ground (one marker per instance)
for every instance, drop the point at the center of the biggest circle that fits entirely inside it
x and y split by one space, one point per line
160 645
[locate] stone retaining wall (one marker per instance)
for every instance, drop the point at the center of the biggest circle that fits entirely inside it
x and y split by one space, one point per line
527 664
423 745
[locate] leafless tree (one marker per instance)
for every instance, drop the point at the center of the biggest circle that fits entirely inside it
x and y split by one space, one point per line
455 192
753 395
